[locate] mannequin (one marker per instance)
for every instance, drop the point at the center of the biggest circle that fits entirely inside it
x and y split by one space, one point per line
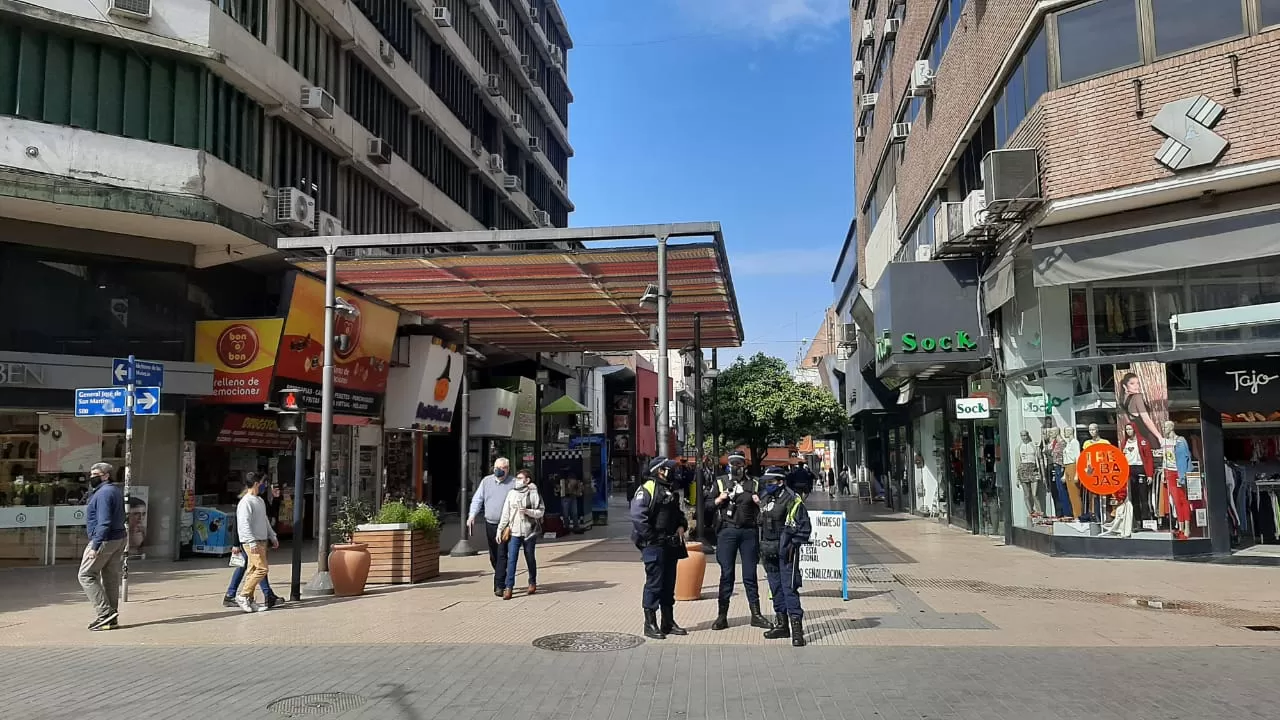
1029 474
1177 463
1054 448
1122 522
1066 485
1137 453
1093 504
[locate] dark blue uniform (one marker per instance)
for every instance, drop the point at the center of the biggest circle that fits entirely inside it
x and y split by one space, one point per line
784 528
657 519
738 522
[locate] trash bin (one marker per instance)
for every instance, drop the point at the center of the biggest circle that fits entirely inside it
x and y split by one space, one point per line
691 572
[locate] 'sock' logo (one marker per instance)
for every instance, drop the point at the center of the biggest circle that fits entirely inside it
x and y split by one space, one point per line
1188 124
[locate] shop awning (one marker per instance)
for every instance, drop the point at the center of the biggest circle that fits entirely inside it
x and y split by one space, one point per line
565 405
567 298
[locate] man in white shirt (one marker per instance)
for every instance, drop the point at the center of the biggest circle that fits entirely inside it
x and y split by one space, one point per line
255 531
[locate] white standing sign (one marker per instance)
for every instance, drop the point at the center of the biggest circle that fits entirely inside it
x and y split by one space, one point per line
826 557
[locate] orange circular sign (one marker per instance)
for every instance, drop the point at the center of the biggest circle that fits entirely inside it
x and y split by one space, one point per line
238 346
1102 469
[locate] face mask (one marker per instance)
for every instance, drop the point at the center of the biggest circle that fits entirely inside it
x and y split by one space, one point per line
499 473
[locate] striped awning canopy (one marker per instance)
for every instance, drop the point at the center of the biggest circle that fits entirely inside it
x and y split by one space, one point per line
555 300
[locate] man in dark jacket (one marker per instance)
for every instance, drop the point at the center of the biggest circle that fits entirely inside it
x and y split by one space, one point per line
100 567
658 528
737 504
785 527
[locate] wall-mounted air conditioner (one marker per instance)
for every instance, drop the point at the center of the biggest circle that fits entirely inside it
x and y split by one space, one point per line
317 102
294 208
386 53
130 9
525 64
535 145
442 16
868 32
924 253
496 164
516 120
477 147
899 132
533 13
866 101
860 134
858 72
948 224
975 211
542 217
891 27
502 27
328 225
492 84
1011 175
513 183
921 80
379 152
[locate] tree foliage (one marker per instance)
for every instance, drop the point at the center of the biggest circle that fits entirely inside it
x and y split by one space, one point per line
758 403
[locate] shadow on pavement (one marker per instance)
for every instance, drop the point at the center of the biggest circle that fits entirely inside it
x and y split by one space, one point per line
574 586
837 625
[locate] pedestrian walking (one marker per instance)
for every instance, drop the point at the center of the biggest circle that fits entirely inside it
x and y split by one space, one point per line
842 481
519 526
100 566
253 531
658 528
489 498
785 528
831 481
570 498
737 503
239 567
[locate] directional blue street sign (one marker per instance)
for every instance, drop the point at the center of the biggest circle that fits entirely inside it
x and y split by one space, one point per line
109 402
146 372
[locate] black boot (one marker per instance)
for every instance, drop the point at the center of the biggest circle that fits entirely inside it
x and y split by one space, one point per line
669 626
758 620
651 629
722 618
797 632
781 630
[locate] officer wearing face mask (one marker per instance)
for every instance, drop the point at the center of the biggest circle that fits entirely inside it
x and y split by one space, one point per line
658 528
737 505
784 528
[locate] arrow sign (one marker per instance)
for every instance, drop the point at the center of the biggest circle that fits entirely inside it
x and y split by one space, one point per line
146 401
145 372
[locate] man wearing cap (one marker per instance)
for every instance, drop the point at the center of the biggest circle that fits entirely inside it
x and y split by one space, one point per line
784 528
658 528
100 567
737 504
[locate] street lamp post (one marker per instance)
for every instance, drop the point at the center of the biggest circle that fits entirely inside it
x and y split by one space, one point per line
463 547
664 373
321 583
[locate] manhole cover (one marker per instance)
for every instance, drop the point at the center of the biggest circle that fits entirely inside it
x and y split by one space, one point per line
587 642
316 704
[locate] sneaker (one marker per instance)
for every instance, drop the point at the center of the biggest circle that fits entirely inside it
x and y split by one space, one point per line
229 601
273 601
246 604
106 620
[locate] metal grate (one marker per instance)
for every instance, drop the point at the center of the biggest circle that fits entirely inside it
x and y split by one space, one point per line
330 703
588 642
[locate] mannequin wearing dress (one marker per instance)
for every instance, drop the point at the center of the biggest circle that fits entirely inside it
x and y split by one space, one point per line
1029 473
1177 463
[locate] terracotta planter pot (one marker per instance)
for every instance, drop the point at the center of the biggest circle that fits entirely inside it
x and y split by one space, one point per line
349 568
691 572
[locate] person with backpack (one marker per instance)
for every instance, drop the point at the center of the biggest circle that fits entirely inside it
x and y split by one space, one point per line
519 527
658 528
737 504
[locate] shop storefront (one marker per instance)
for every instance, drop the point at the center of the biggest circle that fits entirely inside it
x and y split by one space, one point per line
46 452
422 395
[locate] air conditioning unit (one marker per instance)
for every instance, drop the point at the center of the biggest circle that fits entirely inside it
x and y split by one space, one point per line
477 147
975 211
924 253
535 145
386 53
849 333
858 72
532 74
317 101
512 182
542 217
130 9
921 80
868 32
948 224
502 27
328 225
496 164
379 152
866 101
891 28
294 209
525 64
1011 175
442 16
560 183
516 120
491 84
899 132
533 13
860 134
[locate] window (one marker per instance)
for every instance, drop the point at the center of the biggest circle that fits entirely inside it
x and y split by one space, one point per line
1030 80
307 46
375 107
302 164
1097 38
879 192
883 66
250 14
1185 24
1269 12
946 28
235 128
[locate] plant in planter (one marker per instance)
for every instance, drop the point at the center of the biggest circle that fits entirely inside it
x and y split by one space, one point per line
404 541
349 559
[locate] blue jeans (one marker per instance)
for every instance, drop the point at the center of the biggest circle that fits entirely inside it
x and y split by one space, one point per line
513 558
1061 498
237 574
570 508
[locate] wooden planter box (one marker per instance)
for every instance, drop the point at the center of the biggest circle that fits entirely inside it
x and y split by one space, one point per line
399 555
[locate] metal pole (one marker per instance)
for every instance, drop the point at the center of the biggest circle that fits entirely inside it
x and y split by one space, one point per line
299 492
321 583
129 388
698 435
660 417
463 547
537 424
715 417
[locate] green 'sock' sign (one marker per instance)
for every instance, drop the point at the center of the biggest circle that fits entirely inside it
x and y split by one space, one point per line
961 342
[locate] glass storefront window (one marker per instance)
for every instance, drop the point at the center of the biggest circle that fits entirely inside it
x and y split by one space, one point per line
928 471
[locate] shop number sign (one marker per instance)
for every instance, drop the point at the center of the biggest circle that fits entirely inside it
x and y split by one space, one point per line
1103 470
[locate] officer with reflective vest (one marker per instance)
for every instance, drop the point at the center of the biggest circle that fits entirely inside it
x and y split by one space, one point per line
784 528
737 504
658 528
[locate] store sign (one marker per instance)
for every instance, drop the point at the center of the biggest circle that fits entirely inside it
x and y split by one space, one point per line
973 408
243 356
15 374
525 428
423 395
960 341
884 346
1248 388
1102 469
252 431
1040 406
1187 125
493 412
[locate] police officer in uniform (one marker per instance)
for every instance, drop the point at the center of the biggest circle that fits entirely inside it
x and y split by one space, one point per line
784 528
659 526
737 504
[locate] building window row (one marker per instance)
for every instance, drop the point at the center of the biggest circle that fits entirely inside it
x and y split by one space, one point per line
1026 84
308 47
249 14
235 128
374 106
944 30
394 20
370 210
431 156
879 191
299 162
552 83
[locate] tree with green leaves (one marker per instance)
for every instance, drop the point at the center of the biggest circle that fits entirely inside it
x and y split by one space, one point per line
759 403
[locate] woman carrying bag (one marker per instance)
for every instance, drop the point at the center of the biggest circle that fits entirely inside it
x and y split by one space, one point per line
519 527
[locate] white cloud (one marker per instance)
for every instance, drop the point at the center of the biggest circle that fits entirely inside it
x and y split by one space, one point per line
783 262
767 18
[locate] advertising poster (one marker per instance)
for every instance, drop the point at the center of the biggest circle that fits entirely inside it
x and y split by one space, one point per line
825 557
424 395
186 521
361 360
243 356
1142 400
139 497
69 444
526 423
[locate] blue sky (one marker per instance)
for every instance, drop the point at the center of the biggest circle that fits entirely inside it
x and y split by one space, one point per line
729 110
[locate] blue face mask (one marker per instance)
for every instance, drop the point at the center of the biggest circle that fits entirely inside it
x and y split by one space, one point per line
499 473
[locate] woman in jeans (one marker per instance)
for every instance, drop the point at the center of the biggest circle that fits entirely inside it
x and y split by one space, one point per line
522 516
